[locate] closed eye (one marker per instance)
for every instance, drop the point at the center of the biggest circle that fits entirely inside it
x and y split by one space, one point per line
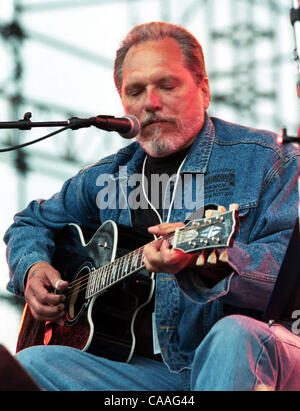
134 89
167 87
168 83
134 93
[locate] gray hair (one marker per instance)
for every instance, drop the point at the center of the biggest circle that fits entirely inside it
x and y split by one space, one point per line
189 45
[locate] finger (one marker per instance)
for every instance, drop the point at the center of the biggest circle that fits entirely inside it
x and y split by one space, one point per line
56 281
61 285
166 259
164 228
159 253
48 303
165 248
54 299
41 290
233 207
153 247
171 256
45 312
151 254
221 209
41 297
209 213
150 266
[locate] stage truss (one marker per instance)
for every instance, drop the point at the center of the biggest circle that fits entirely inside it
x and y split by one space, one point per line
248 47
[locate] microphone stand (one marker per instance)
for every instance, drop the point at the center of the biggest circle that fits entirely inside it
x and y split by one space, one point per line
284 138
73 123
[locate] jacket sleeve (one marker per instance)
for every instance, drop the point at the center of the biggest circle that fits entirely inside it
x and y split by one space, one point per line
255 258
30 238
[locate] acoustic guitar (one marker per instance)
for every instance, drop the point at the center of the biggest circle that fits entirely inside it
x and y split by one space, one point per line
109 286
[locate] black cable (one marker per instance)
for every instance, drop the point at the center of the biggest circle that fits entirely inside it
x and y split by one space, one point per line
3 150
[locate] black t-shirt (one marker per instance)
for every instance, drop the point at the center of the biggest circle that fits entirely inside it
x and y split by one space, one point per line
144 218
156 166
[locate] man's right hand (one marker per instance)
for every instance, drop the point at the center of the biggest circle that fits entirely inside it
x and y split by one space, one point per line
43 303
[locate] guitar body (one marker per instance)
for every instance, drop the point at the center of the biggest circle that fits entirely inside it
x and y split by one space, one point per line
105 323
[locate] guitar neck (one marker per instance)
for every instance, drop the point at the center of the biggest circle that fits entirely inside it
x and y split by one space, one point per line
217 231
111 273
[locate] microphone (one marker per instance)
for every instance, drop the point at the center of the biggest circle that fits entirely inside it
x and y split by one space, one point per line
127 126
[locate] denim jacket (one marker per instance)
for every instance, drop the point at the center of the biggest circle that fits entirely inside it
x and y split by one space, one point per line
240 165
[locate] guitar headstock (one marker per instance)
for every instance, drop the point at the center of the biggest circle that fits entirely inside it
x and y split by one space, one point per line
213 232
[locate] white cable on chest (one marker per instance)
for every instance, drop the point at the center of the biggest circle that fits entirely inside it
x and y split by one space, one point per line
173 195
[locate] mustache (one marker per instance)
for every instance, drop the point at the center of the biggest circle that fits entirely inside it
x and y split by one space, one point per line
153 118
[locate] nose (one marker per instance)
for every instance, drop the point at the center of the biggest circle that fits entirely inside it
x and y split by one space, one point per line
152 101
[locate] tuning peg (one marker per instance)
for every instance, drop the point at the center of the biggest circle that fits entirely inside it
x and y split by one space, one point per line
200 260
212 258
224 256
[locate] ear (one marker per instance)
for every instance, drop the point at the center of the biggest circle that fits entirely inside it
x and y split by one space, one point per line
205 91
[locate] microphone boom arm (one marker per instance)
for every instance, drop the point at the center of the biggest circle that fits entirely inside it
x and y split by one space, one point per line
127 126
73 123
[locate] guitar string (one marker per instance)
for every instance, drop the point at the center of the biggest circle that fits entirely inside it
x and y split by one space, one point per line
103 272
119 261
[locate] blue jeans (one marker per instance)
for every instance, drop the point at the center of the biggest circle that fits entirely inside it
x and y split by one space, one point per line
238 354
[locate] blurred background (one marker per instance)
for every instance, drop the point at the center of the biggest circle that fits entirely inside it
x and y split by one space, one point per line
56 61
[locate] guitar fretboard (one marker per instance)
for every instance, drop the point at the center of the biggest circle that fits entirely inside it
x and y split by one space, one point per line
115 271
109 274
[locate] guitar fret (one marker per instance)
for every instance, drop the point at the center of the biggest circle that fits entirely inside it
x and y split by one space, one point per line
90 284
135 261
141 257
109 275
98 278
87 293
125 265
94 281
102 278
119 269
129 268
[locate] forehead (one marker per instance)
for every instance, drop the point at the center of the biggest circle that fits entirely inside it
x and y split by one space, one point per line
150 57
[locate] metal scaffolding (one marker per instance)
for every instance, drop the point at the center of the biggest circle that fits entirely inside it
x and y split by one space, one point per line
246 60
236 87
